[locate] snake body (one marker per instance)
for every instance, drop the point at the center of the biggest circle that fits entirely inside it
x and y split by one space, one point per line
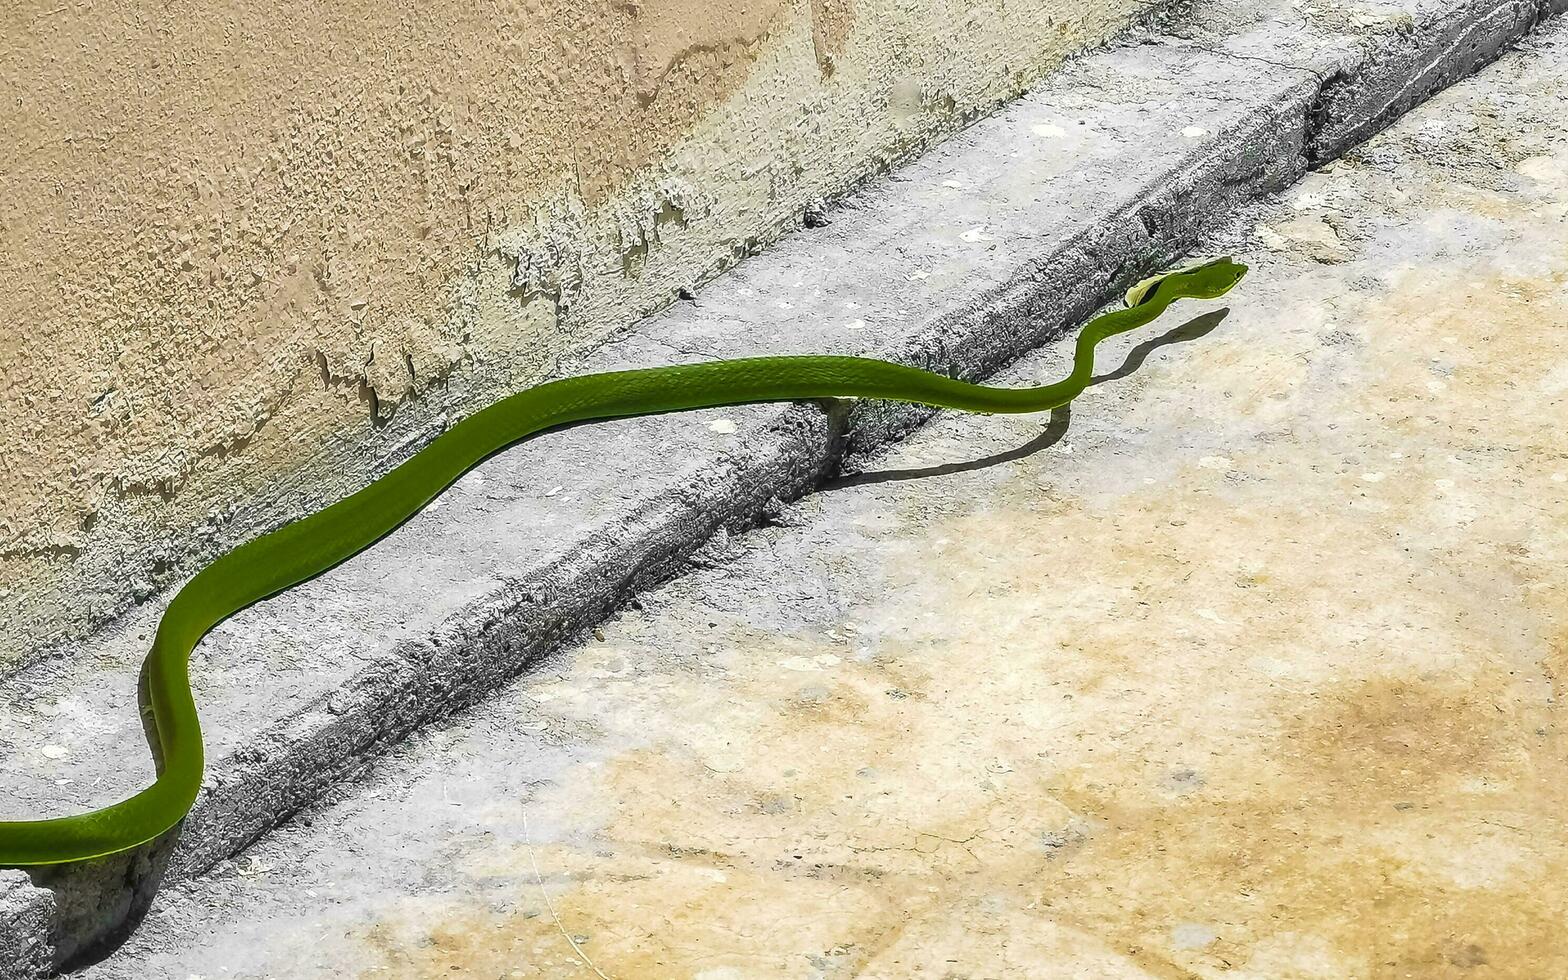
307 547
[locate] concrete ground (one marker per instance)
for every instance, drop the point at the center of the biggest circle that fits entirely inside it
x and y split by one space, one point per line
1251 666
988 246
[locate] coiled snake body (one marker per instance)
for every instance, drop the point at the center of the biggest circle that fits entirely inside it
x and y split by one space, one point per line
307 547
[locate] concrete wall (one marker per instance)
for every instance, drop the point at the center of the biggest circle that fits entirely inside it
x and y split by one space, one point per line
256 251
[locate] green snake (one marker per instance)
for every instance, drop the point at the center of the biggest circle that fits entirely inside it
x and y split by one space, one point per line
309 546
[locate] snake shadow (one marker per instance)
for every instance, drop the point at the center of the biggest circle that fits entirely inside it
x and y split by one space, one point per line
1061 417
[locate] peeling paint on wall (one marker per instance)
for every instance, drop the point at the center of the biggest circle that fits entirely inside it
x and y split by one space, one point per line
253 252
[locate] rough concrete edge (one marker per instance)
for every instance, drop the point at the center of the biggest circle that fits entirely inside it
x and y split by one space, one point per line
26 916
293 762
1412 65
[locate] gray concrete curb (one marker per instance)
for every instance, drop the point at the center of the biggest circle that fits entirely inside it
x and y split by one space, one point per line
1412 67
1281 103
26 914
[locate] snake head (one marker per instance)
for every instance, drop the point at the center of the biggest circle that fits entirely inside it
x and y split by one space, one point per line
1198 280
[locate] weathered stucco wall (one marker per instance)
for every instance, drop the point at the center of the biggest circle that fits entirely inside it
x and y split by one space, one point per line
256 251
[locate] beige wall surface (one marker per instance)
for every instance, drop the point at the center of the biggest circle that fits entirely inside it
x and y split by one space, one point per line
254 249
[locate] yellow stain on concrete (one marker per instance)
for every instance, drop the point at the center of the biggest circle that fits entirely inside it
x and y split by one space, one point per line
1294 709
1261 679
